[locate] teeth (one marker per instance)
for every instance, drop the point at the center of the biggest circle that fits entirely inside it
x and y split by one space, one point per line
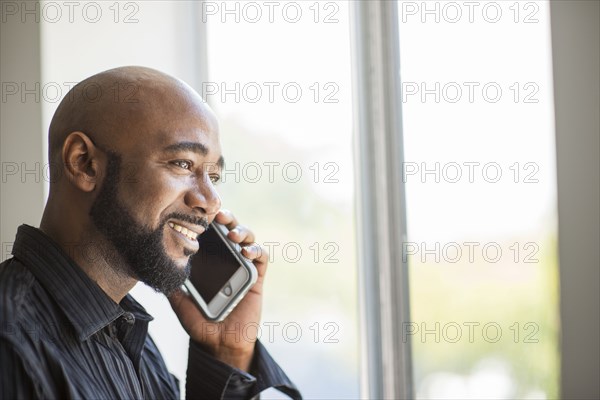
185 231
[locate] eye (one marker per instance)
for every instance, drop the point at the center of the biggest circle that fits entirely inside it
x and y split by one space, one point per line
215 179
185 164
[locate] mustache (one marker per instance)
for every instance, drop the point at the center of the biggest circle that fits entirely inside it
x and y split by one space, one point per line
200 221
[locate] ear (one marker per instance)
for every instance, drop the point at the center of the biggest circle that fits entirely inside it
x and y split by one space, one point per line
80 160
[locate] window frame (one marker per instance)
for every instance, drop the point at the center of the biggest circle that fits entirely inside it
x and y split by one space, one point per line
386 364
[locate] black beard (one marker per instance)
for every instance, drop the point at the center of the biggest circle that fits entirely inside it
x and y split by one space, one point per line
138 246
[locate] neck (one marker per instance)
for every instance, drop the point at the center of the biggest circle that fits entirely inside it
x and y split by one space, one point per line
91 252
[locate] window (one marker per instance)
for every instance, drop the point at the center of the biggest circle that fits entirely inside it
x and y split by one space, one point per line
456 139
479 172
280 84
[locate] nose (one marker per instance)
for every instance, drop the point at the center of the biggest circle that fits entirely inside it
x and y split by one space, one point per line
203 197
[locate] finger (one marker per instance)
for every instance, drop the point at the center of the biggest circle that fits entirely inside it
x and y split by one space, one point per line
256 253
241 234
260 259
225 217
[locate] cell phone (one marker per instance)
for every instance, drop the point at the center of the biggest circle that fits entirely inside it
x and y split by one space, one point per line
220 275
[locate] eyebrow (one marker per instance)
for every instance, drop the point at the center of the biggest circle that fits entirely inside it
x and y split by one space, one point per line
195 147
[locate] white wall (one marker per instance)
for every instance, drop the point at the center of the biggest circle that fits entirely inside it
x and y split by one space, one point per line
21 194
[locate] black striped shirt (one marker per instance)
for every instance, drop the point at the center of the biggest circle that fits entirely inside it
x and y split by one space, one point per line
62 337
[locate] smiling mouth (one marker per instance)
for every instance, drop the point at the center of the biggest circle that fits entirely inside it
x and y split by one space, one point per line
190 234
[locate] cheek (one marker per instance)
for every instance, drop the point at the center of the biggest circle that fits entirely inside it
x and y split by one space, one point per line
151 196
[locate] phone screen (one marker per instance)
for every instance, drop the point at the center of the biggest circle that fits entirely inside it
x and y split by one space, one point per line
212 266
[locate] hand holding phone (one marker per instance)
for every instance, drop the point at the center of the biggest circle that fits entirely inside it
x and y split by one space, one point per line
232 341
220 275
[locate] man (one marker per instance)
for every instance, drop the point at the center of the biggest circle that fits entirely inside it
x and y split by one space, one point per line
135 154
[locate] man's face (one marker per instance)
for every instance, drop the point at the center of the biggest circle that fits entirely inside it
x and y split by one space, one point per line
157 197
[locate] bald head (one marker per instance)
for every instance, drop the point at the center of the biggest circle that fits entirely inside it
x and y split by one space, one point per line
119 107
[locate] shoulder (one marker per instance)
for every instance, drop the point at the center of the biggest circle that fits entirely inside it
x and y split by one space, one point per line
16 283
27 312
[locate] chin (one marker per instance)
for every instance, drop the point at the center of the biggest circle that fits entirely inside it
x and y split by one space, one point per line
181 262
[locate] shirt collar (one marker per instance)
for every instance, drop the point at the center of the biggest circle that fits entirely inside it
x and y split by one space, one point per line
86 305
